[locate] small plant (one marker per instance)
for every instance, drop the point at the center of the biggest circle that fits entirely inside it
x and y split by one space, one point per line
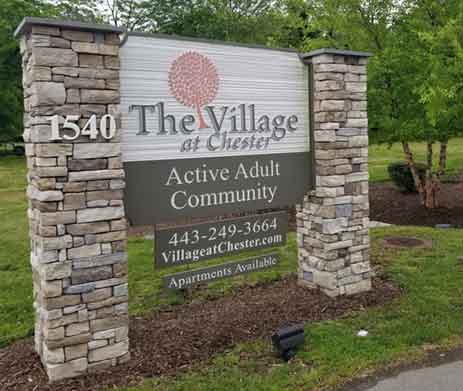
401 175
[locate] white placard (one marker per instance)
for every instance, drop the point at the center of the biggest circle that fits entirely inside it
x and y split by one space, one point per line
172 77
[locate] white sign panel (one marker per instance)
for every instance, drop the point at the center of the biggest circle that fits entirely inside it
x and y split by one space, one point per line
184 99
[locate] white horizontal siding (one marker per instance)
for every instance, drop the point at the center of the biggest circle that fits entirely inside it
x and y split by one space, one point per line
276 82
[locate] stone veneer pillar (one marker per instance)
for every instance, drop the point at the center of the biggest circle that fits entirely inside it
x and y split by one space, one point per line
75 189
333 237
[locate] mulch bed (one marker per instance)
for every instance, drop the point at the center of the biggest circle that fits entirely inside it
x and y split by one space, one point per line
166 342
389 205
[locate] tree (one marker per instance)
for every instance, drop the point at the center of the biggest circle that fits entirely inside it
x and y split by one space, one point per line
11 95
414 80
194 81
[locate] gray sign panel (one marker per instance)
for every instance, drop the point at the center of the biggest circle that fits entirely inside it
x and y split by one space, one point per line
194 243
213 273
168 190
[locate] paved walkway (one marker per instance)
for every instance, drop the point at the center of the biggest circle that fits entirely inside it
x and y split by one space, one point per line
447 377
441 372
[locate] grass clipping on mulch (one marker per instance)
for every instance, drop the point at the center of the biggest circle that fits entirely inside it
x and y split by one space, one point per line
168 341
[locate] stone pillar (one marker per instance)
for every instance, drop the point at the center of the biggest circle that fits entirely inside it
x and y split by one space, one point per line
332 232
75 188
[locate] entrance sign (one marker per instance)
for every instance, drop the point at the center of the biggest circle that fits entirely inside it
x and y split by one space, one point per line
190 129
195 243
211 128
213 273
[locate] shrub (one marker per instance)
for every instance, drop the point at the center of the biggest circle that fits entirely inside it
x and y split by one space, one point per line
400 174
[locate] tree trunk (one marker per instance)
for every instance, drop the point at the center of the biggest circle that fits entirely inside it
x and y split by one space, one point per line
442 158
431 182
416 178
427 187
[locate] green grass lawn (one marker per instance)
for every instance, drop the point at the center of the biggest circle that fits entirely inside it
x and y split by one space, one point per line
382 155
431 311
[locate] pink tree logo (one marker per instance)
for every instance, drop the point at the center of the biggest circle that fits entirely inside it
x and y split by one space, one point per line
194 82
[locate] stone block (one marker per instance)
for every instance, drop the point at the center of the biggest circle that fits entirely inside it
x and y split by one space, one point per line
79 176
54 334
117 184
56 271
95 48
102 260
53 356
334 226
111 236
87 228
54 57
121 290
99 214
99 96
73 82
53 150
121 334
96 73
87 164
97 295
332 105
109 352
331 181
48 94
65 71
113 85
90 61
45 30
72 96
108 323
76 351
44 196
120 269
52 288
81 276
344 210
331 68
112 62
74 187
54 218
97 344
77 328
89 110
67 370
61 301
76 35
121 309
81 288
69 341
96 150
117 225
84 251
50 172
38 74
74 201
45 161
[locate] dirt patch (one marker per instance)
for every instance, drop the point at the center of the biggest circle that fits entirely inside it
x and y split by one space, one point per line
389 205
405 242
167 342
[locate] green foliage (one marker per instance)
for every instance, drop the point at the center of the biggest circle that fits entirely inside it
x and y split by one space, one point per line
414 76
400 174
11 96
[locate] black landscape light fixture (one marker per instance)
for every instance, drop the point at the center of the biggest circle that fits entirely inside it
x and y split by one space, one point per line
287 340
